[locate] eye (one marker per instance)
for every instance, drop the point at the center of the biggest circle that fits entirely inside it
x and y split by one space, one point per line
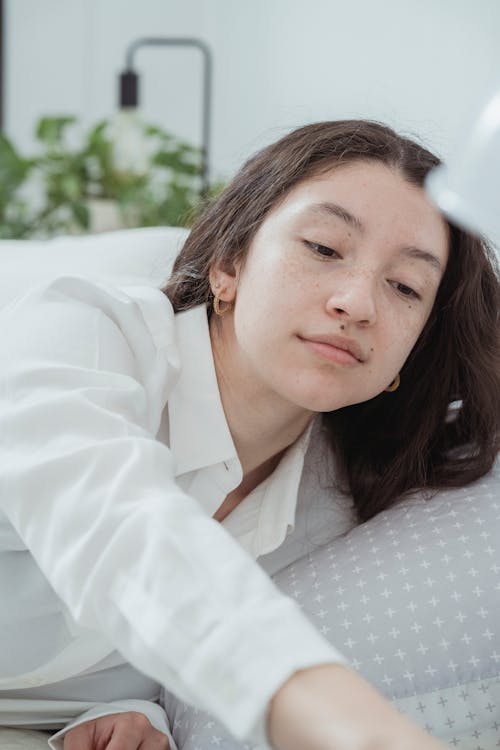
323 250
405 290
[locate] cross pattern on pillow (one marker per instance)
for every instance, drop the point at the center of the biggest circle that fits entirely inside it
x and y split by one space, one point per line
412 598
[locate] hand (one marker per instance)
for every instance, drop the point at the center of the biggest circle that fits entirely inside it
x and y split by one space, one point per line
330 707
124 731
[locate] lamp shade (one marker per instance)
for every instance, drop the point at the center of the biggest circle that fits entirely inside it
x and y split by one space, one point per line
468 189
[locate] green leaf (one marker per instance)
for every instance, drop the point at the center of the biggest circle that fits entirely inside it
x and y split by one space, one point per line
81 214
173 160
154 130
70 186
50 130
97 134
13 168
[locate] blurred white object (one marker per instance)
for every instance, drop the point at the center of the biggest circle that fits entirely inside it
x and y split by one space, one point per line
131 256
468 189
130 151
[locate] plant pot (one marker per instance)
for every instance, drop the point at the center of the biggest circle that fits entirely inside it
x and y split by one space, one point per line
104 215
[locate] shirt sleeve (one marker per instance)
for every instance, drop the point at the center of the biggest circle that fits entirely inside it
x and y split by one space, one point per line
93 495
153 712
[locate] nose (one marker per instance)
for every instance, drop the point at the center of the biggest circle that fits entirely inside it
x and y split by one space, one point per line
353 301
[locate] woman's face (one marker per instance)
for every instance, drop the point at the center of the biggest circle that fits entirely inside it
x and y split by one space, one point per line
336 287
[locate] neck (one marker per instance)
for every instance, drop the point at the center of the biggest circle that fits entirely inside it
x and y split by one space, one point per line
262 424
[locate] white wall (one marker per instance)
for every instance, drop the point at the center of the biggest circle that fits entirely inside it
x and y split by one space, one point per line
420 66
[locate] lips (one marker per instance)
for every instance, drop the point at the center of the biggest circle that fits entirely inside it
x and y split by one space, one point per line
339 342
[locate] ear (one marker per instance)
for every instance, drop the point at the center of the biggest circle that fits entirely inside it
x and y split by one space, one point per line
223 283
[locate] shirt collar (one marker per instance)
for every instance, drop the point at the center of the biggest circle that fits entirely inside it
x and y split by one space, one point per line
281 492
199 433
265 517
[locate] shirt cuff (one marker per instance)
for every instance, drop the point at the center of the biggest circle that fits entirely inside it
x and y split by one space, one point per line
243 664
153 712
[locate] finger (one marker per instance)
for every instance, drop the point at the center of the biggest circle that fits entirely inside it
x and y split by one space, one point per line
133 731
79 738
157 741
133 737
123 739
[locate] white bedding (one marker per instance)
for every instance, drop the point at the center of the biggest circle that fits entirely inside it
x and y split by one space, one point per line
22 739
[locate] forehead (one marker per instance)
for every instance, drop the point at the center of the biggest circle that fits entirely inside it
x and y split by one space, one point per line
368 184
367 197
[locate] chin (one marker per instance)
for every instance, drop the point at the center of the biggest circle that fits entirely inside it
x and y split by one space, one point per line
317 404
314 402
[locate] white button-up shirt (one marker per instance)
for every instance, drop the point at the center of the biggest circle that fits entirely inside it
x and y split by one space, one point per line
115 453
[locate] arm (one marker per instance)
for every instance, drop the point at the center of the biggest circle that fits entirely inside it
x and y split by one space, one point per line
83 381
321 708
331 707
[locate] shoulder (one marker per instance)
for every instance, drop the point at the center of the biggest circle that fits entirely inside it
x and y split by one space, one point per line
78 293
74 339
84 322
83 300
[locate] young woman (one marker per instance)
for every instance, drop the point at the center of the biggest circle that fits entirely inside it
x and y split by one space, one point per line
142 430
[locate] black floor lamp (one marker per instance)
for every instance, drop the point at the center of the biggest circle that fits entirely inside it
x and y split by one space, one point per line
129 88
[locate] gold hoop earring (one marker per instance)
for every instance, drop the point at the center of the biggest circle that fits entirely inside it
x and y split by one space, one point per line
394 385
218 310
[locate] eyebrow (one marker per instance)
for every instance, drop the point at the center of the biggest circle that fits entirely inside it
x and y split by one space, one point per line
333 209
326 208
416 252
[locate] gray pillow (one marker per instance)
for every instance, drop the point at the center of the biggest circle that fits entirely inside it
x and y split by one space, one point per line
412 598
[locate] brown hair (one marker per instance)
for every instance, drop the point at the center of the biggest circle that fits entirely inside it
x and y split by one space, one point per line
410 438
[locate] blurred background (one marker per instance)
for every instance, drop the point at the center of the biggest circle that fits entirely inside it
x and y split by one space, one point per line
423 68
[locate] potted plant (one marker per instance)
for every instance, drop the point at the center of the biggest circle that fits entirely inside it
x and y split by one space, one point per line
14 171
74 186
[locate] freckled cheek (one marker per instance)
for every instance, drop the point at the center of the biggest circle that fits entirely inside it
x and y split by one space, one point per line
419 324
397 340
292 291
408 338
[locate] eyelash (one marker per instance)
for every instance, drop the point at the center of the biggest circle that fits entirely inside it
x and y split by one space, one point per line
412 293
317 248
